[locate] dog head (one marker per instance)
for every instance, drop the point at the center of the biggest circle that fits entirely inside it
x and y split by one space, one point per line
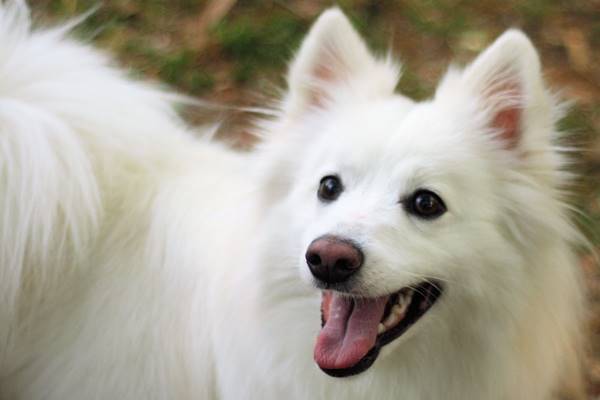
394 207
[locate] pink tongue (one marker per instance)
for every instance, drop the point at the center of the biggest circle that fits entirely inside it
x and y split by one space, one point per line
349 333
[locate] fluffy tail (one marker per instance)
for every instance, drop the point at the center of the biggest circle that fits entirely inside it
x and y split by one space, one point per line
71 129
49 201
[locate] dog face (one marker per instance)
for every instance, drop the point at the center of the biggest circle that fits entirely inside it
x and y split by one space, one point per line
391 160
397 206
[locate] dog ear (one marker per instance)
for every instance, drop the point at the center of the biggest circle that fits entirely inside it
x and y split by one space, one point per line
507 82
333 57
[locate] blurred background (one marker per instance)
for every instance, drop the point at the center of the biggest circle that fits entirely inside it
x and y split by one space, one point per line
235 52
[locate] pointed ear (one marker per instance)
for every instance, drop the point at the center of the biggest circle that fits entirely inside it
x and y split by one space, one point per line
507 82
333 56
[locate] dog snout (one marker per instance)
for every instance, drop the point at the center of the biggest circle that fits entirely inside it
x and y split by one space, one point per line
332 259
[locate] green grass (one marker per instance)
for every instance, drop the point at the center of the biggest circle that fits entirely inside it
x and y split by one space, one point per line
254 46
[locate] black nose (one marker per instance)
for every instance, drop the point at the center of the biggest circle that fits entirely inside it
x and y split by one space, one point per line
332 259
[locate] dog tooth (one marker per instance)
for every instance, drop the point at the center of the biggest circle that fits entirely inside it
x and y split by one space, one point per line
380 328
401 299
404 298
399 310
392 319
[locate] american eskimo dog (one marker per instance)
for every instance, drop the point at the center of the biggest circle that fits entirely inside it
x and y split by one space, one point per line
372 247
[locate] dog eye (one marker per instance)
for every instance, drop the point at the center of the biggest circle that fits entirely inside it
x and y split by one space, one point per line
330 188
425 204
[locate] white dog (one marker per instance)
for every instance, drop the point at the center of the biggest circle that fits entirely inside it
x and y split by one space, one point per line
371 248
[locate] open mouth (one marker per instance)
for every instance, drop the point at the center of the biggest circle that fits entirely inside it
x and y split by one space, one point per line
354 329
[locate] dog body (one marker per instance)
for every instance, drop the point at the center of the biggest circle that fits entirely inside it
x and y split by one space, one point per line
139 262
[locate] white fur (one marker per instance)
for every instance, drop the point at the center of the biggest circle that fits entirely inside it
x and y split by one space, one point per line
137 262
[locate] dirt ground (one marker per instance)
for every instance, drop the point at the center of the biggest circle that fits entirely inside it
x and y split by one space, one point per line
234 52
